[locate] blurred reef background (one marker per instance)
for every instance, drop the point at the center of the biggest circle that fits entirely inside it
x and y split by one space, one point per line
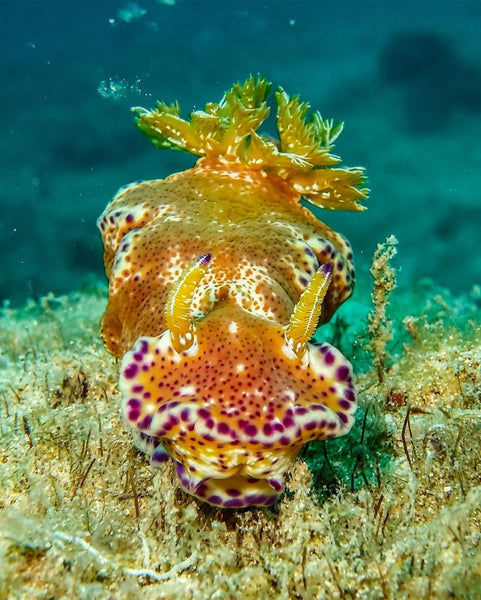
391 511
405 77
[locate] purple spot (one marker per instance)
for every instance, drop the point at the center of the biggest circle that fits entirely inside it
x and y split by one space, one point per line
144 346
329 358
134 403
131 371
173 421
326 269
343 417
350 395
203 413
308 251
145 422
278 427
200 490
310 425
233 492
179 469
205 259
184 415
146 395
209 423
288 422
343 403
137 388
234 503
303 281
214 499
276 484
223 428
267 429
129 218
331 425
285 441
342 373
301 410
208 437
159 455
250 430
134 414
255 499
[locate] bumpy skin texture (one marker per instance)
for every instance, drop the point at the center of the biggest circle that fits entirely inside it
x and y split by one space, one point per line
234 408
265 248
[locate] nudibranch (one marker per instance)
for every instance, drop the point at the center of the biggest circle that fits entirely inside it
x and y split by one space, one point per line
219 277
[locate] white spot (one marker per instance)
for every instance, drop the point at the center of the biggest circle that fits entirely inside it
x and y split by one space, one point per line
233 327
240 367
289 353
187 390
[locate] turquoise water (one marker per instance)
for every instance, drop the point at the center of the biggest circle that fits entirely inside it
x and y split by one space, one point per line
404 77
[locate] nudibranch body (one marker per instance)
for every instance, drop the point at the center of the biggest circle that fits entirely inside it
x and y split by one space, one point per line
218 280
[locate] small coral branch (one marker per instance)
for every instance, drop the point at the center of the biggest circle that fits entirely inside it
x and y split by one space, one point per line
380 327
227 131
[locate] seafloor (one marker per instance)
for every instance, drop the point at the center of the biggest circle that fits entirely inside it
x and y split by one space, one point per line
393 510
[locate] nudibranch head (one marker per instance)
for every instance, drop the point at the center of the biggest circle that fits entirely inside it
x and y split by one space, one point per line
234 407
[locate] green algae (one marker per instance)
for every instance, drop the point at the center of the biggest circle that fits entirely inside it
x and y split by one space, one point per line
392 510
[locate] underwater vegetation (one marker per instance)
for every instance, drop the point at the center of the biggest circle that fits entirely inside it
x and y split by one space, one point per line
392 510
218 279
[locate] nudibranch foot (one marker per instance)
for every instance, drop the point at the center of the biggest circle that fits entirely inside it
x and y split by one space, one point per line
219 277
